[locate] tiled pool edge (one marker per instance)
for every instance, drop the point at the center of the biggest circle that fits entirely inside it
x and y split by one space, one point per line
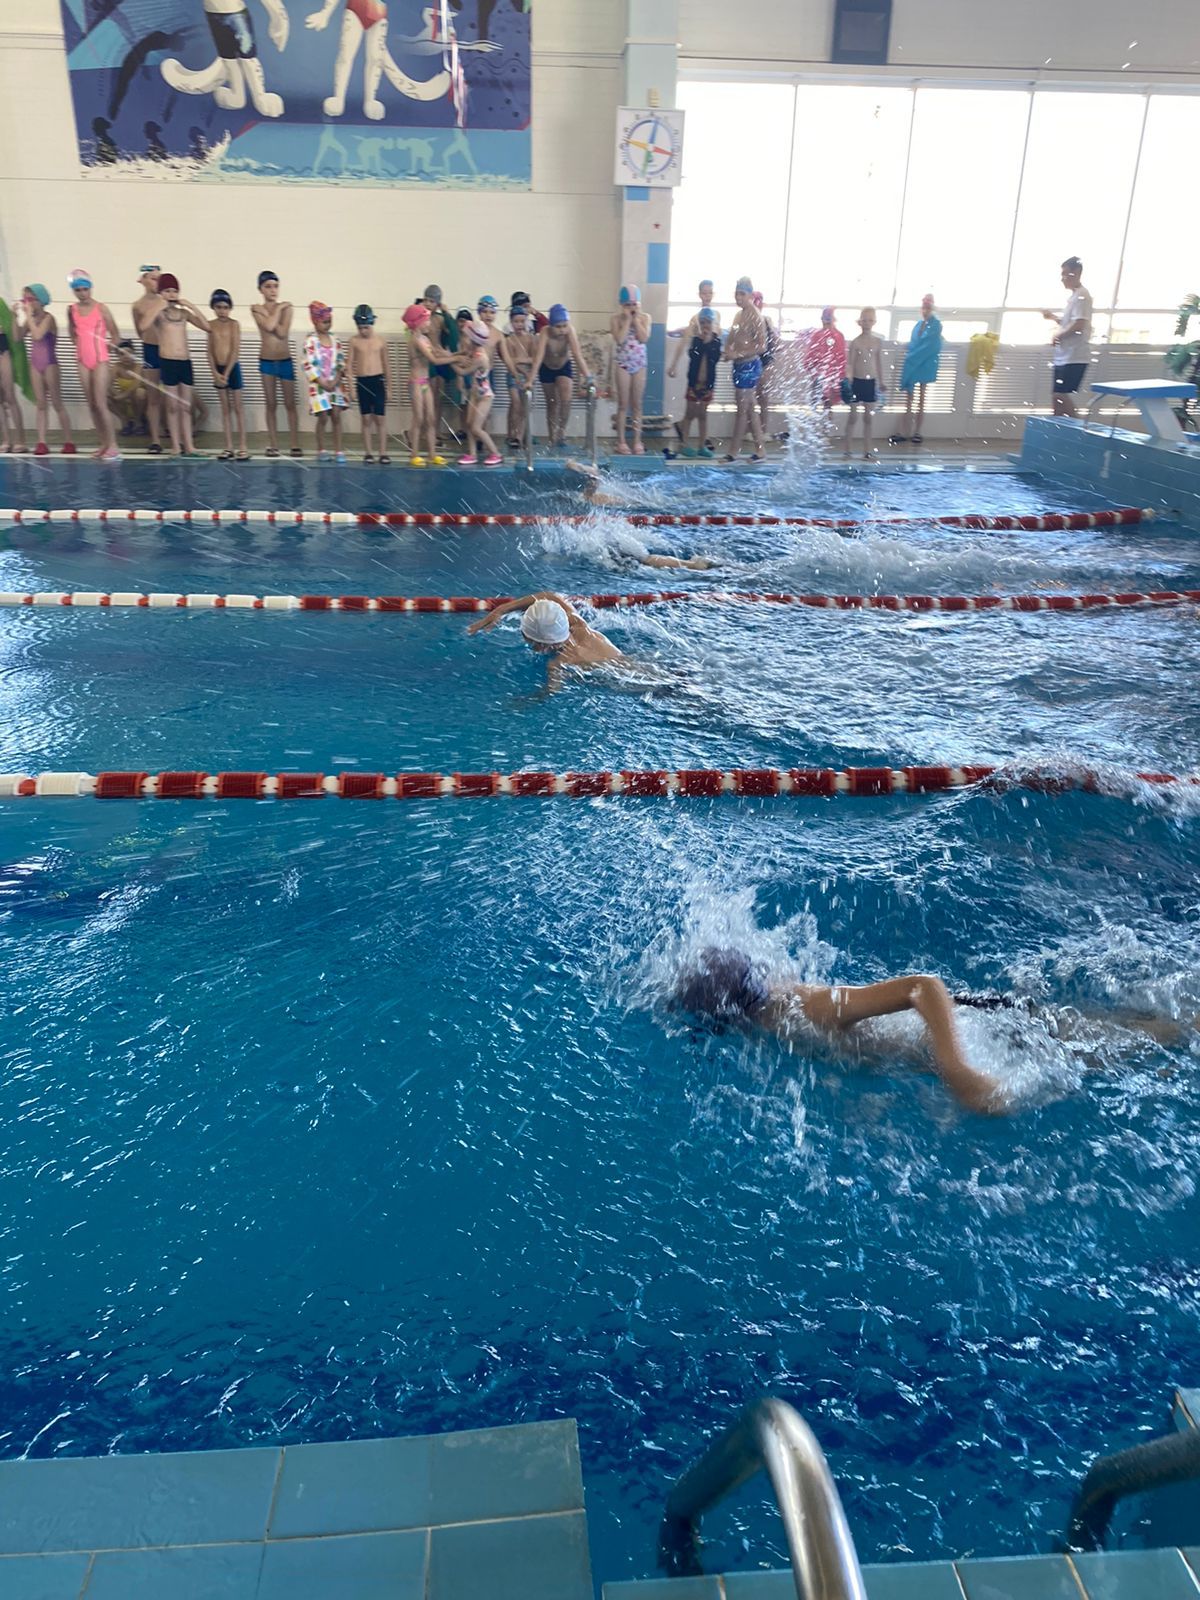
410 1518
1123 466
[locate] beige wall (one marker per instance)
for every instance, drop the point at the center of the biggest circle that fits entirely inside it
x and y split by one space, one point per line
1055 39
561 241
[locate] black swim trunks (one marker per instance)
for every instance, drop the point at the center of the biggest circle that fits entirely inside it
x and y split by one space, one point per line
176 372
372 395
863 390
1068 378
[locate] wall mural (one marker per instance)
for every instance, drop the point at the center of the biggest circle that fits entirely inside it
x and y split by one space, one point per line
376 92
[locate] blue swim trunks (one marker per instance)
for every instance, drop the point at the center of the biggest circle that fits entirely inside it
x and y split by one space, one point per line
746 374
150 359
235 377
278 369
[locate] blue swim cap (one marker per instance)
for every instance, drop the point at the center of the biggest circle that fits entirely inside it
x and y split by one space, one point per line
707 314
558 313
489 301
721 987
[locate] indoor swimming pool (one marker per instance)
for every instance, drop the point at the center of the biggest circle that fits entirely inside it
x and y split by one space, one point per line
329 1120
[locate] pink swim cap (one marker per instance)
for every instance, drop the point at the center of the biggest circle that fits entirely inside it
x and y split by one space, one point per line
415 316
477 332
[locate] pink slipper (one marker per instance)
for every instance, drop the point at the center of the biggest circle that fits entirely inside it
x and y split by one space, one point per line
493 461
68 449
622 448
467 461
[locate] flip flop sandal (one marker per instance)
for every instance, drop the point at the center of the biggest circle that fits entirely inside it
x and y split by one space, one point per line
225 455
296 452
271 453
243 455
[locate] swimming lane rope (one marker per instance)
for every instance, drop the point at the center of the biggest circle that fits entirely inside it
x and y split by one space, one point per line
1122 516
49 599
684 783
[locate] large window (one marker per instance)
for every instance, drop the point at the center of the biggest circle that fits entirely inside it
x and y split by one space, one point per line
852 195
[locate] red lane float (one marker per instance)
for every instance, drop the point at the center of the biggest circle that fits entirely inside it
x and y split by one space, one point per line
1122 516
807 782
45 599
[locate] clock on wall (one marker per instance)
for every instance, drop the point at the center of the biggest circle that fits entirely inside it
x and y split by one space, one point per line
649 147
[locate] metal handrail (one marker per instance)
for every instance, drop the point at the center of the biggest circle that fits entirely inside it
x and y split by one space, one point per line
528 442
589 394
770 1436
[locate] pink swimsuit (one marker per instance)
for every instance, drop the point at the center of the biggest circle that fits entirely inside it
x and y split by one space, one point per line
91 336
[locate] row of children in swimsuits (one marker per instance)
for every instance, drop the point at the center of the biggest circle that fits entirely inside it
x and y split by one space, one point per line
451 356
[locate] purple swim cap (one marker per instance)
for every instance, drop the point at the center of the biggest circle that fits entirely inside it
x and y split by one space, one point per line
558 313
721 987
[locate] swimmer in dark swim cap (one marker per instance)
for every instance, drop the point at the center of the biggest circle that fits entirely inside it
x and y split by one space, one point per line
596 496
723 987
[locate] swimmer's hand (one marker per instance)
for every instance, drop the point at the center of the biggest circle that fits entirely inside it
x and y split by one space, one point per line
320 19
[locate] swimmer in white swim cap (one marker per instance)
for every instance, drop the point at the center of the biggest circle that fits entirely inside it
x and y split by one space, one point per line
551 625
596 496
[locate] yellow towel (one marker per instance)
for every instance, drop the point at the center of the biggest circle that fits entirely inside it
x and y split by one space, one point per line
981 353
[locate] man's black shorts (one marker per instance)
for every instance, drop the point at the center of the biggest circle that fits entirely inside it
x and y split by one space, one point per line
1067 379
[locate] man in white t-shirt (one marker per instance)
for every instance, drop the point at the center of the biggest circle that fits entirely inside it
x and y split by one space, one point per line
1072 347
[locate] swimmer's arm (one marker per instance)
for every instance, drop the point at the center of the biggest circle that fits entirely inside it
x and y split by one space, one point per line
504 609
218 382
506 357
283 322
641 326
838 1008
114 334
193 315
266 324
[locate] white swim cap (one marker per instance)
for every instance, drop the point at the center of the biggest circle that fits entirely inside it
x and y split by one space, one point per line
545 622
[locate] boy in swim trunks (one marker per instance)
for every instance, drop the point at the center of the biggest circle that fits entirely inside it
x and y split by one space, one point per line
556 356
745 348
274 319
224 349
170 328
144 309
366 367
517 352
864 368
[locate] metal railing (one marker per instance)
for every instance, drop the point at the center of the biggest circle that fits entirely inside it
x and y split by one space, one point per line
769 1436
527 442
589 394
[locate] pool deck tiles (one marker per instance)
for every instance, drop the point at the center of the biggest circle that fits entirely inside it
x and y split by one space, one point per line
377 1519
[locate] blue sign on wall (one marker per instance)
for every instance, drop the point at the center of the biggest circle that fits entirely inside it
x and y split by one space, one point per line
375 92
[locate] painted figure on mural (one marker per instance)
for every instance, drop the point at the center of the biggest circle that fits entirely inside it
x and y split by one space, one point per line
237 71
367 20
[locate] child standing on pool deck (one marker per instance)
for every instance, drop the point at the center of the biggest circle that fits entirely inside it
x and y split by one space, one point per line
325 369
41 328
555 358
274 320
224 349
170 328
475 366
630 329
93 333
366 364
517 351
422 428
864 368
703 354
744 348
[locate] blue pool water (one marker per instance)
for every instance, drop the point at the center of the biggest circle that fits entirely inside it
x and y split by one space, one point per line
324 1120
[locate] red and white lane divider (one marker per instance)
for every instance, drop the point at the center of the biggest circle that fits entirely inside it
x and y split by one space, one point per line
1054 520
759 782
50 598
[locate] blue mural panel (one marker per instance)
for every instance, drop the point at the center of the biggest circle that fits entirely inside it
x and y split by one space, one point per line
375 92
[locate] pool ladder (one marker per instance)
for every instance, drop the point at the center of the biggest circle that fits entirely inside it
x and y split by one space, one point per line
589 395
769 1436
